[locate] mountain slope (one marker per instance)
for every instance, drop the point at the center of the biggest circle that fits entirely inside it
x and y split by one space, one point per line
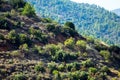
34 48
90 20
117 11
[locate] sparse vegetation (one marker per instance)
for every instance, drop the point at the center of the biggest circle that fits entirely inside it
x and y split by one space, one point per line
33 48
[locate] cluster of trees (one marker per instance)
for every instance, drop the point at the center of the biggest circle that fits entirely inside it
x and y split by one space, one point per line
18 39
89 19
24 7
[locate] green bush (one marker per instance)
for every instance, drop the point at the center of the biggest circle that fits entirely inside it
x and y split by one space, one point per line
13 36
105 54
70 43
61 67
69 67
60 56
39 67
105 69
50 27
24 47
28 10
77 75
92 70
56 75
38 49
52 48
90 39
53 28
24 39
88 63
15 53
73 66
19 77
52 66
81 44
83 75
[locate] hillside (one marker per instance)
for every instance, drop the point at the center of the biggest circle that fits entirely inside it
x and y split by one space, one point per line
90 20
35 48
116 11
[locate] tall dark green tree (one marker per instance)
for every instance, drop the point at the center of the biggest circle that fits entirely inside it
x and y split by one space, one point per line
70 24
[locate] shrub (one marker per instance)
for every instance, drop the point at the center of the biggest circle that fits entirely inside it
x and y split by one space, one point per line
70 24
52 48
77 75
56 75
19 77
40 67
61 67
105 69
60 56
28 10
69 67
50 27
92 70
52 66
105 54
53 28
23 38
90 39
82 44
38 49
69 42
12 36
73 66
88 63
24 47
83 75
